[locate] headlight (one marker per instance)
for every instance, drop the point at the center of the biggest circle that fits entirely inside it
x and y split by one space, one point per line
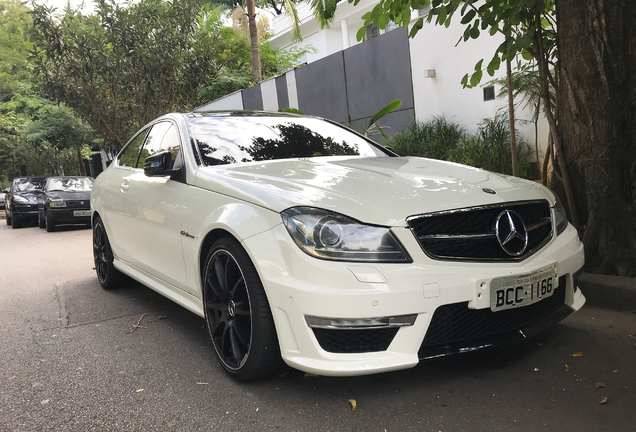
561 215
331 236
20 199
57 204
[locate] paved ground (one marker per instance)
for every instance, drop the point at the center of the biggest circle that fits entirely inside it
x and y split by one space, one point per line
69 362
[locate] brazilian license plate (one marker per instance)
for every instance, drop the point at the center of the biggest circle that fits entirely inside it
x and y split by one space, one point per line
81 213
522 290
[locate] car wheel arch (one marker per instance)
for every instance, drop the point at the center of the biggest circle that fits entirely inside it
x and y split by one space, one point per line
208 240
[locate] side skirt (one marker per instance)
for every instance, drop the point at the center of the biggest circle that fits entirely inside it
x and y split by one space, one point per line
188 301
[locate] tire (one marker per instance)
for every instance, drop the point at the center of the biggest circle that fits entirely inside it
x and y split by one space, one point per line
107 275
15 222
237 314
41 221
50 224
9 221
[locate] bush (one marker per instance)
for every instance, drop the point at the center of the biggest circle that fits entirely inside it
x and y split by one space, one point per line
488 148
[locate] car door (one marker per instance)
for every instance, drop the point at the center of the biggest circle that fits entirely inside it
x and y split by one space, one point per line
118 209
155 206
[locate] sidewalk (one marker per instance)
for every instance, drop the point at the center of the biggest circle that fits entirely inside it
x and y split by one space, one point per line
609 291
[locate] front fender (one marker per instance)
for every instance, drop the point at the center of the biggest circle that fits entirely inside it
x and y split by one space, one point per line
206 216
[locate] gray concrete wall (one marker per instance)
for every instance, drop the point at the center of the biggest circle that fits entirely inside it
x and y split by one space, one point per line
322 89
253 98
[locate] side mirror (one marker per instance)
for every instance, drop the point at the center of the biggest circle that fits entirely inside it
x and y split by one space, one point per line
160 165
5 190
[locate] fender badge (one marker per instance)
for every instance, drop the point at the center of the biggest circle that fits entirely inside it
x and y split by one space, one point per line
489 191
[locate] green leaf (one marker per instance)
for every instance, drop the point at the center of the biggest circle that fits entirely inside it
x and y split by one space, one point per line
416 27
474 32
474 80
442 15
526 55
469 16
360 34
385 110
493 65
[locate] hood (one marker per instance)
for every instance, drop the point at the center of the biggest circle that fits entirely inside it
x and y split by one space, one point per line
31 196
383 191
69 195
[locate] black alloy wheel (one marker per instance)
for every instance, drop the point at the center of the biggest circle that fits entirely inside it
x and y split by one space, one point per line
50 224
109 277
237 314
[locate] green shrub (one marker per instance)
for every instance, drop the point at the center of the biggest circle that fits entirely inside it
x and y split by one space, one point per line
488 148
432 139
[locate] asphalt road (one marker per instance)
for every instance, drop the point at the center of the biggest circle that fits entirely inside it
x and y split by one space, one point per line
69 362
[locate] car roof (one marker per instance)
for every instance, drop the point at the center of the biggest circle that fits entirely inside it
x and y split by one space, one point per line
242 113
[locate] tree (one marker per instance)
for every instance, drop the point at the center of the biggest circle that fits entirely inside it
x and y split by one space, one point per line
526 85
22 107
596 108
284 6
57 127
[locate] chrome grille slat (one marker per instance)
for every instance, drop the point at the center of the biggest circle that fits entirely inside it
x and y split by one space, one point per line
469 234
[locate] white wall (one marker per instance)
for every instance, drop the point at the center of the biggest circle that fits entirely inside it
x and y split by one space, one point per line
233 101
434 48
270 97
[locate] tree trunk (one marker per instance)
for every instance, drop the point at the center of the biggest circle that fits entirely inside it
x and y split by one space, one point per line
256 57
80 162
597 106
546 161
511 119
558 157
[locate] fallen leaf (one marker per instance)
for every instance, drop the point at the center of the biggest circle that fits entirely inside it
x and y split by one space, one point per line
615 371
139 390
354 405
202 383
600 385
604 400
567 368
310 375
578 354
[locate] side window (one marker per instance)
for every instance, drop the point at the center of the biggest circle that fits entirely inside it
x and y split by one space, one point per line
128 157
163 136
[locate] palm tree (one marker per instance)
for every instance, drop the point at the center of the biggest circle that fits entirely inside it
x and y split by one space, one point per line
526 85
288 7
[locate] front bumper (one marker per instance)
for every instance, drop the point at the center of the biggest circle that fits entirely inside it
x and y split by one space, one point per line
298 286
67 215
24 211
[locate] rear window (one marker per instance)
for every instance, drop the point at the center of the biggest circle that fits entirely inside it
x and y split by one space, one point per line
228 140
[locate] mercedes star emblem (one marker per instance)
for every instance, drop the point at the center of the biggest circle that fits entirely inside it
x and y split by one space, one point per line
511 233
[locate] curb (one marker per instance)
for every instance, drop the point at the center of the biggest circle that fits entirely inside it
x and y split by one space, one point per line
612 292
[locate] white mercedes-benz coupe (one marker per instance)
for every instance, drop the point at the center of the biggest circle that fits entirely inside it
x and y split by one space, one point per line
298 240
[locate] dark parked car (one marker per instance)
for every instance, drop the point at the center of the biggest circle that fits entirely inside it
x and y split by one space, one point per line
4 191
66 200
22 200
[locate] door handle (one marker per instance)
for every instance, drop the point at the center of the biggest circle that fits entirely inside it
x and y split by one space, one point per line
124 186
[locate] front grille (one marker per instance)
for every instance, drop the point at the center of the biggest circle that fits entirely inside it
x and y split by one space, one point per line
355 341
457 323
469 234
78 204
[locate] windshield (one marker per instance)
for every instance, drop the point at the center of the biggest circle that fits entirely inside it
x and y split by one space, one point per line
228 140
72 184
27 184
